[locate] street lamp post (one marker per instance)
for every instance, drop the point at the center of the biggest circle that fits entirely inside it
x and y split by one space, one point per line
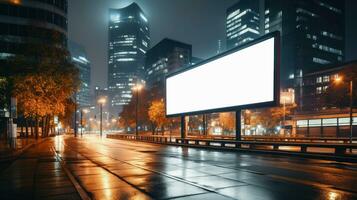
82 111
90 125
284 117
351 111
101 101
339 79
137 89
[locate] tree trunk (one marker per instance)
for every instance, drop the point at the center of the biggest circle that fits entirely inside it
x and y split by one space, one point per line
26 127
152 129
32 125
43 134
22 126
45 125
37 124
48 125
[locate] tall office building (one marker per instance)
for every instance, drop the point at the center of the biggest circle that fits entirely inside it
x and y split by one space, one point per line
243 22
129 39
26 22
312 33
81 61
167 56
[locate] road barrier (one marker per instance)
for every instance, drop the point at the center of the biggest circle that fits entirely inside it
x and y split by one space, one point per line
296 146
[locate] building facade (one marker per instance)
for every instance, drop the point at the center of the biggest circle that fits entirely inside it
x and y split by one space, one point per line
23 23
312 33
81 61
243 22
165 57
26 21
323 99
129 39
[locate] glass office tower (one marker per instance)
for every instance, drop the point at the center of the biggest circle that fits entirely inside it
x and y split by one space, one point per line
313 33
81 61
129 39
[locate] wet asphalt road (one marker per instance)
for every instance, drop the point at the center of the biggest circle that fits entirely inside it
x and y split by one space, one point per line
117 169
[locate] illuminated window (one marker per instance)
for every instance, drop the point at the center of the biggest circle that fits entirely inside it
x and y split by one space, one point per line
319 79
325 88
344 121
115 17
302 123
329 122
233 14
144 43
318 90
125 59
314 122
143 17
320 61
326 79
335 76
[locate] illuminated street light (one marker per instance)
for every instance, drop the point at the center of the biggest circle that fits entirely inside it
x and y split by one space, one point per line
286 97
337 80
101 102
137 88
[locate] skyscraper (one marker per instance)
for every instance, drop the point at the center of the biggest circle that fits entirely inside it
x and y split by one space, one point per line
312 33
129 39
81 61
27 22
166 56
243 22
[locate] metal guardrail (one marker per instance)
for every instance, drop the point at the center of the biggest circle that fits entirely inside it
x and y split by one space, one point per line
282 146
266 138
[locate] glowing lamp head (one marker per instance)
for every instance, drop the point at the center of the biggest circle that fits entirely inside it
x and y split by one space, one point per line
138 87
102 101
338 79
115 17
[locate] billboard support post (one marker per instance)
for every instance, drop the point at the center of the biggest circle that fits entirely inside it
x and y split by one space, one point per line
238 125
183 127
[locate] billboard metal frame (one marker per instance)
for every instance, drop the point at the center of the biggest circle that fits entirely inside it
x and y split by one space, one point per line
275 102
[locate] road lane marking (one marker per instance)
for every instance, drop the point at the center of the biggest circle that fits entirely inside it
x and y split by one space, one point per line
81 191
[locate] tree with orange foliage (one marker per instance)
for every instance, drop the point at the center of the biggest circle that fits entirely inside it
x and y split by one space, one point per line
47 89
227 121
157 115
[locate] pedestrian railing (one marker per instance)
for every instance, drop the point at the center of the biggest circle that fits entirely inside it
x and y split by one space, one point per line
298 146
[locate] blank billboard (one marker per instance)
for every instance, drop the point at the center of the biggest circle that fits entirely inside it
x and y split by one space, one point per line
241 78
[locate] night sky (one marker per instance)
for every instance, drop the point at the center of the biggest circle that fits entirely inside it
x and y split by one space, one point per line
197 22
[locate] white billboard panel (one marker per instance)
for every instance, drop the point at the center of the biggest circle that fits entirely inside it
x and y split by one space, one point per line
244 77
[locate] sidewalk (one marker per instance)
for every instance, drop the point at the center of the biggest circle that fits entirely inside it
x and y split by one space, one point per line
36 174
11 149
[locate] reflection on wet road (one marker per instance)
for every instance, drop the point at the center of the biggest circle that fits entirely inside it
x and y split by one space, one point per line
117 169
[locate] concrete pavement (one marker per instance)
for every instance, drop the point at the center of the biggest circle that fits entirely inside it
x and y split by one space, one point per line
116 169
